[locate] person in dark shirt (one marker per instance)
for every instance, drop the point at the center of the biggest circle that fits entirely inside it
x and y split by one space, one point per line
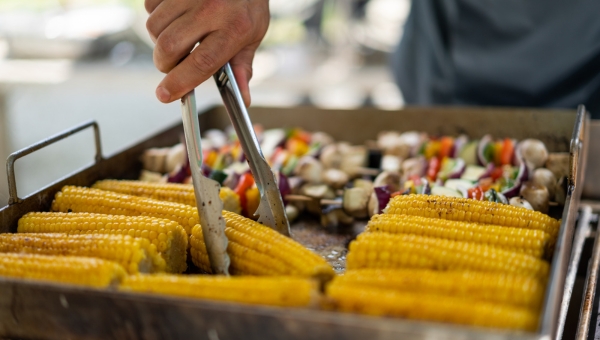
539 53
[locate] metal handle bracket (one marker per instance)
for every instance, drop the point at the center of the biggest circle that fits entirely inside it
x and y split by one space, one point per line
12 158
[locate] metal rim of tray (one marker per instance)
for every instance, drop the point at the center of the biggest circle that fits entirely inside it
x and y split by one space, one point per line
558 289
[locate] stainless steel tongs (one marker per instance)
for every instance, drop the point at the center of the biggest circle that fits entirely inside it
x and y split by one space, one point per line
270 210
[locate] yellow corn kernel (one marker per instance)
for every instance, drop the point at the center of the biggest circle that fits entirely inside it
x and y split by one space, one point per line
172 192
134 254
516 290
86 271
167 236
469 210
428 306
255 249
384 250
532 242
80 199
274 291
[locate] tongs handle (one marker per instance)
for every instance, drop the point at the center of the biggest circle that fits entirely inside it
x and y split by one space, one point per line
206 191
271 210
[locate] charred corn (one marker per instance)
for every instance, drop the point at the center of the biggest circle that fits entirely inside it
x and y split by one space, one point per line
469 210
134 254
427 306
86 271
274 291
516 290
384 250
255 249
80 199
172 192
532 242
168 237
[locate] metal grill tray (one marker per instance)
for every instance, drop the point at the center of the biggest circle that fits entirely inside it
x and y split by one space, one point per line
32 309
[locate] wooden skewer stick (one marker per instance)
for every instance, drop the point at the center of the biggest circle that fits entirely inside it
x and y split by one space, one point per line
303 198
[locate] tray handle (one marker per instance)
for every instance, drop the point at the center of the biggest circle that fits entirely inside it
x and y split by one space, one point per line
10 161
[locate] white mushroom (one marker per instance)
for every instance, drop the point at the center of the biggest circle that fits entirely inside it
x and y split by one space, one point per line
520 202
545 177
537 195
391 179
310 170
355 202
175 157
533 151
335 178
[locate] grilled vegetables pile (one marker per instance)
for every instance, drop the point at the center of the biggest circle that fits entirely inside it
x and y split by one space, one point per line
340 183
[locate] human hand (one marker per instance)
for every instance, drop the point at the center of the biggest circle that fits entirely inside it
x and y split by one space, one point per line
228 30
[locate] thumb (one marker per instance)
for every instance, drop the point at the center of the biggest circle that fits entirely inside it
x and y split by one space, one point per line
241 64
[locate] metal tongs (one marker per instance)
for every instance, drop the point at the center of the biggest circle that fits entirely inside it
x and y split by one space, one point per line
270 210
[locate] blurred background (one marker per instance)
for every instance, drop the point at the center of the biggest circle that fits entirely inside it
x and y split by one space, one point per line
63 62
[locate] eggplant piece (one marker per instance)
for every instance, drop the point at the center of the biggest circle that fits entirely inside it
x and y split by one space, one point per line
374 158
558 163
494 196
533 151
518 201
310 170
335 178
537 195
545 177
378 200
355 202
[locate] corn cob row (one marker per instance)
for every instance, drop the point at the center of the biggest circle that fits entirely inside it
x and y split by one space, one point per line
172 192
84 271
426 306
255 249
516 290
134 254
532 242
168 237
274 291
468 210
80 199
384 250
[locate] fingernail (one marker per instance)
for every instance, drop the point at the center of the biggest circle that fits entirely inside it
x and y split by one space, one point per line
162 94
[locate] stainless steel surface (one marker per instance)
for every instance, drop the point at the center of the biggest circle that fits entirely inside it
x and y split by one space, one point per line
583 231
10 162
206 191
591 186
562 250
271 211
88 317
585 314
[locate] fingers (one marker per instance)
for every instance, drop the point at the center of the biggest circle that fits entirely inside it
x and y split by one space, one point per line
241 64
151 5
214 51
162 16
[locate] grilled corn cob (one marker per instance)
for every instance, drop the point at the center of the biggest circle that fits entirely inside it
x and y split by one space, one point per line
426 306
532 242
168 237
469 210
515 290
274 291
134 254
172 192
85 271
80 199
384 250
255 249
